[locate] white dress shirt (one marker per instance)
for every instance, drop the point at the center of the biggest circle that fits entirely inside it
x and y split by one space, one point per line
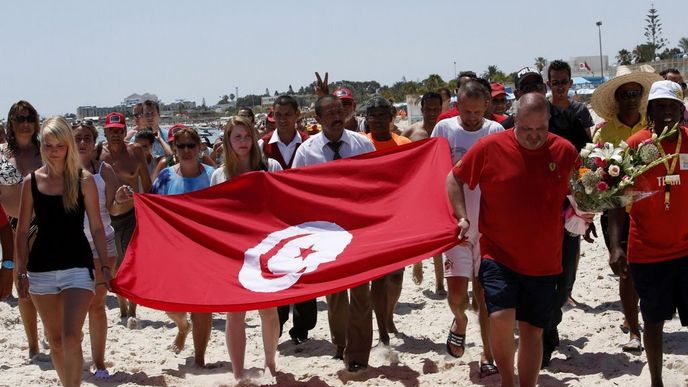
287 150
315 149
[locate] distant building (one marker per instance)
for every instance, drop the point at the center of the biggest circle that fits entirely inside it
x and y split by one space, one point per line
180 104
267 101
139 98
94 111
584 66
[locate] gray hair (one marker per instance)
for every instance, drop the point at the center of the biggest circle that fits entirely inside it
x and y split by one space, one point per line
474 89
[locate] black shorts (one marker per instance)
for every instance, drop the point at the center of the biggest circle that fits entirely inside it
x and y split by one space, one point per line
663 289
604 222
533 297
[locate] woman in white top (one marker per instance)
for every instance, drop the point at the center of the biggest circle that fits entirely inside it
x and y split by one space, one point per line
241 154
113 201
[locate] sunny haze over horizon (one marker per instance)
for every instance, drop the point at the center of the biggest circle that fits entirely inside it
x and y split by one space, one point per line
61 55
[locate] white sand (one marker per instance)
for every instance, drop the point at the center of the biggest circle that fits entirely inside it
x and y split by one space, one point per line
589 354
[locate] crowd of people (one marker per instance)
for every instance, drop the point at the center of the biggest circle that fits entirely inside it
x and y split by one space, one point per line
67 216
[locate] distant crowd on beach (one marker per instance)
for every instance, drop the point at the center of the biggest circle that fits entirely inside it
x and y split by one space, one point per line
67 215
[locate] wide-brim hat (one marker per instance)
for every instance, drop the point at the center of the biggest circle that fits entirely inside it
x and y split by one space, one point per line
603 101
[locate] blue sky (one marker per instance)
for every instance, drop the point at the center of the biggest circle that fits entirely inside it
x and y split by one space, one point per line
62 54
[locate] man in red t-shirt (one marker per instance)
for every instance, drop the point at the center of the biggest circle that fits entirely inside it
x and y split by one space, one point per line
658 237
523 174
489 113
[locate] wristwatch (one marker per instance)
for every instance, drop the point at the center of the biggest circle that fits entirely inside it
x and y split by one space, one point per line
7 264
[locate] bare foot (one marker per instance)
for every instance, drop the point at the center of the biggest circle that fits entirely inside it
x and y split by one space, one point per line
180 340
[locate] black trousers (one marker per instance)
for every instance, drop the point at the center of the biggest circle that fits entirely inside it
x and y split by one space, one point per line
569 255
305 317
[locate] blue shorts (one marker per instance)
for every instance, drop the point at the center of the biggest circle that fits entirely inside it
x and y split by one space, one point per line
663 289
54 282
533 297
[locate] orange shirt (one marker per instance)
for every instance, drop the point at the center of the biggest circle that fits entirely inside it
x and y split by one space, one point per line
656 234
395 141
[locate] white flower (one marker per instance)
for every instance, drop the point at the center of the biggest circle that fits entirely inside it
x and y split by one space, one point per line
623 145
614 170
585 153
608 152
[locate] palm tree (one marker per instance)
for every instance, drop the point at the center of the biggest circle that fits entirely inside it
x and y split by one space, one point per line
624 57
683 44
540 63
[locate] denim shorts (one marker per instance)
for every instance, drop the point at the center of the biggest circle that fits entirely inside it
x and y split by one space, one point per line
54 282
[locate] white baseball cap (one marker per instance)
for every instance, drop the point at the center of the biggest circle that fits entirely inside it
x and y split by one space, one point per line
666 90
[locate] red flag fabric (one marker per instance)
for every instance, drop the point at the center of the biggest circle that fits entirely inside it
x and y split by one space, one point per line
269 239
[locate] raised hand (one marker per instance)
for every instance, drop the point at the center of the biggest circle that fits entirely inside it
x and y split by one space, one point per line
321 86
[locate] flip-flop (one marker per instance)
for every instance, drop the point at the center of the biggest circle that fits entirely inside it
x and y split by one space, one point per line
487 369
633 345
456 340
101 374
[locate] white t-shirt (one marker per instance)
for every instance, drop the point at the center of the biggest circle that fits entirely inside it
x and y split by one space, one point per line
218 175
460 141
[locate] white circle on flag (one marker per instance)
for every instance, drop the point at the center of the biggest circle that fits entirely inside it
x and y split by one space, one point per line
280 259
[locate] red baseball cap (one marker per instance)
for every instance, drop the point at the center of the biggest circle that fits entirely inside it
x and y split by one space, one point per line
497 89
115 120
343 93
172 130
271 117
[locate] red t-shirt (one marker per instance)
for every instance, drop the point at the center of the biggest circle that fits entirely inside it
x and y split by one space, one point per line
656 234
521 202
453 112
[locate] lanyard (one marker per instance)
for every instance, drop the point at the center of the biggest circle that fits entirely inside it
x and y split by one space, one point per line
670 168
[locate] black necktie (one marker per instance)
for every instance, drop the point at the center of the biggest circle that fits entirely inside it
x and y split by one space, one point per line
335 148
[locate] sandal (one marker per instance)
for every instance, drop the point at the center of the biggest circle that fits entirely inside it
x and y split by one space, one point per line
455 340
487 369
101 374
633 345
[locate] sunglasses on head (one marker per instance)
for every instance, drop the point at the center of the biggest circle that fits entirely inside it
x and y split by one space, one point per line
185 146
79 123
21 119
628 94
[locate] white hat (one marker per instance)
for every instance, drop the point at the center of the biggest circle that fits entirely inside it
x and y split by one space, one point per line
603 102
666 90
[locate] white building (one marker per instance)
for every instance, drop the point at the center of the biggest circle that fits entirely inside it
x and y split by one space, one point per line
139 98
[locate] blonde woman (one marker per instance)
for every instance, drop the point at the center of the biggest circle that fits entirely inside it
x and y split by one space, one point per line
57 271
241 154
112 200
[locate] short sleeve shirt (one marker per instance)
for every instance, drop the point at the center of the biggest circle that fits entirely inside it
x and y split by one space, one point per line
523 190
316 151
169 182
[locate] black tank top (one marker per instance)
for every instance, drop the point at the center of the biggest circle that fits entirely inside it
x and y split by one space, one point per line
61 243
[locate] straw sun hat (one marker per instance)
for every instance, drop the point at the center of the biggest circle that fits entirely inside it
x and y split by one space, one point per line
603 101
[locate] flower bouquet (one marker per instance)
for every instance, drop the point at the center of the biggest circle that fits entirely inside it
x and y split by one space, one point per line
606 177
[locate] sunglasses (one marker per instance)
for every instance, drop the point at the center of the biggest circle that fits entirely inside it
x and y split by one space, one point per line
186 146
79 123
138 115
557 83
21 119
532 86
628 94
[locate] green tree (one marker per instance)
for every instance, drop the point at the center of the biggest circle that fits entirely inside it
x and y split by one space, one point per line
231 97
432 83
494 74
224 100
669 53
540 63
683 44
653 31
643 53
624 57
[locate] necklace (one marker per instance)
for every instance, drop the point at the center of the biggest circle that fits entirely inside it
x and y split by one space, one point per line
670 179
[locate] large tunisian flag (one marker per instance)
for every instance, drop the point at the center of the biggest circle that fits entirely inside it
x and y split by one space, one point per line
268 239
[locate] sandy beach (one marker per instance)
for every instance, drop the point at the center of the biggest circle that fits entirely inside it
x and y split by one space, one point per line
590 352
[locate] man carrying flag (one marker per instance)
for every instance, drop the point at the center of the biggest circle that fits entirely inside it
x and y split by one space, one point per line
351 323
